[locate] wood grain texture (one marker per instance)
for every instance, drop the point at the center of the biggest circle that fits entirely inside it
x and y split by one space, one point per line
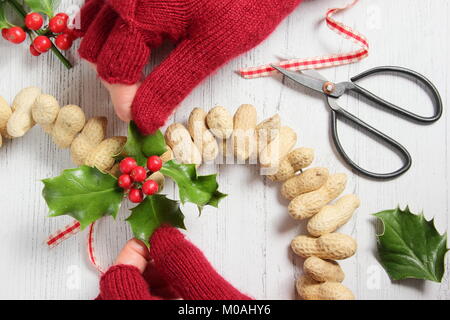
248 238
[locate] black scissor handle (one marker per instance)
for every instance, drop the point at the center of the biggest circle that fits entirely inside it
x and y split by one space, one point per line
436 97
406 157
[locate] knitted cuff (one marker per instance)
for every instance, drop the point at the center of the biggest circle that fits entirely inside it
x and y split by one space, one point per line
123 282
187 269
123 56
97 34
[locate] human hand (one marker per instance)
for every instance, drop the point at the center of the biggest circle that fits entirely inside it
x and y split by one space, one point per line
174 268
120 34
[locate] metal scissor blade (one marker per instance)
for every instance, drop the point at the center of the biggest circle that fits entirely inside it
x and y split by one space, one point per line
305 80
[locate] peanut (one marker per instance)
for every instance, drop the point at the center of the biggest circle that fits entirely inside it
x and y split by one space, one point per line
167 156
115 170
69 122
203 138
309 289
220 122
158 177
330 218
308 181
332 246
268 130
323 270
5 114
102 156
308 204
276 150
21 120
92 134
295 161
45 111
244 135
184 150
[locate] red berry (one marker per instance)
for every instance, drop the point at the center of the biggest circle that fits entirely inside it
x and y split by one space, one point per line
34 21
58 24
16 35
150 187
34 52
138 174
63 15
42 44
64 41
136 195
5 33
154 163
125 181
127 164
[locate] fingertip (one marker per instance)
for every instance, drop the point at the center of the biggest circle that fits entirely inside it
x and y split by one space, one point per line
122 97
124 113
134 253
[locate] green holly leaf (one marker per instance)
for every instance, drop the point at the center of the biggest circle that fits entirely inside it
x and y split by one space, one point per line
200 190
152 213
84 193
4 23
410 246
141 147
46 7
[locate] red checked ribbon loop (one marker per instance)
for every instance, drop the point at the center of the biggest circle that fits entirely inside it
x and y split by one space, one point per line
91 252
71 230
319 62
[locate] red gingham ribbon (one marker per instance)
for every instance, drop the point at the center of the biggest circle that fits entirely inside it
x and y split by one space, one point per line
70 230
319 62
91 252
63 234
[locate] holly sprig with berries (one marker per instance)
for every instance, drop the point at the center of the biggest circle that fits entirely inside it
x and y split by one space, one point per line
46 30
87 194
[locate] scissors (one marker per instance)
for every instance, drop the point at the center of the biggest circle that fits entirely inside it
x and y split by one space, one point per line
315 81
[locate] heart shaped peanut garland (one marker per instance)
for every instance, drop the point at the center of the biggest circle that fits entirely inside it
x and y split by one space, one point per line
238 138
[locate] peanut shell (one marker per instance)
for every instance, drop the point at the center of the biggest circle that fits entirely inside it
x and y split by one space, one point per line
220 122
308 204
309 180
102 157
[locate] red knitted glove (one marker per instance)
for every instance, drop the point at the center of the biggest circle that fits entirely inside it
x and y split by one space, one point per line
179 269
120 34
186 269
124 282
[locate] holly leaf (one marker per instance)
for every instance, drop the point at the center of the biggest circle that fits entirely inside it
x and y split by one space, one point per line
410 246
46 7
153 212
84 193
141 147
4 23
200 190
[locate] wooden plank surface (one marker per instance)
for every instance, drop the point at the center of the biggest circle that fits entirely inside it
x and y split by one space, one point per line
248 238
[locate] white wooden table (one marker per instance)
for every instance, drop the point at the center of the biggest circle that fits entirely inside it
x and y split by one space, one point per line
248 238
